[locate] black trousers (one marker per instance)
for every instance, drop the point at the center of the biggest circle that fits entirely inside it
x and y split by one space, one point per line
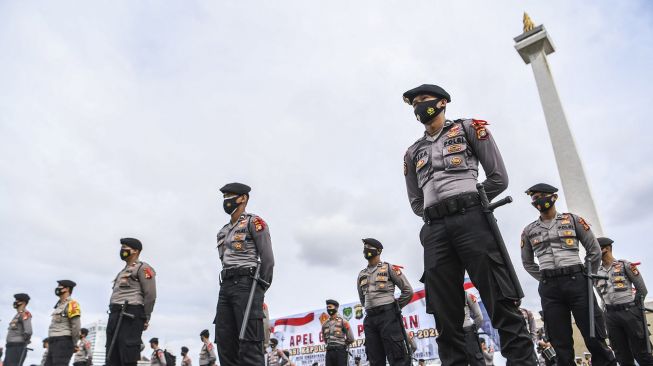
462 242
384 339
127 349
336 356
232 300
627 337
562 296
60 350
14 353
473 347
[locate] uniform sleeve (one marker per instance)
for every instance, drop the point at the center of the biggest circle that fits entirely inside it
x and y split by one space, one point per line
27 327
487 152
361 295
528 257
350 334
283 356
76 327
415 194
261 234
475 311
587 239
147 279
532 327
636 278
212 356
399 278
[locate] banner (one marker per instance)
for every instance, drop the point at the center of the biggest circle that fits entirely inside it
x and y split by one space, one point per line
301 334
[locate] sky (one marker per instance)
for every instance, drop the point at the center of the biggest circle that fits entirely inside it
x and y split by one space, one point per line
123 118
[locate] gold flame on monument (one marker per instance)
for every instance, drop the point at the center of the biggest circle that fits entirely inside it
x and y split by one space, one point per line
528 23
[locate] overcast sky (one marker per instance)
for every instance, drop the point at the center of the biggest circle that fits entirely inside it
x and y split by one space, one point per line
123 118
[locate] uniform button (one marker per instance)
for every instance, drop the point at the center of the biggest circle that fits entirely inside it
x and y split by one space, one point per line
573 277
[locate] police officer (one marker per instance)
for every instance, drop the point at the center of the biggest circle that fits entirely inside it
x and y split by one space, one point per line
135 286
530 322
471 325
65 327
45 351
384 328
207 353
441 170
337 336
623 315
554 239
19 333
185 359
276 357
242 242
158 355
83 354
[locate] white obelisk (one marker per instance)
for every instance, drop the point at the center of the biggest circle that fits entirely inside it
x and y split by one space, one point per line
533 45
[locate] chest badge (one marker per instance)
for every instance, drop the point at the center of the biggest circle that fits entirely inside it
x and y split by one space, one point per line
238 245
455 161
420 164
569 242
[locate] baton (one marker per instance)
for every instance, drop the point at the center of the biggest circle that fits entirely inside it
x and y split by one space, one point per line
403 330
23 355
590 294
488 209
123 313
645 323
256 280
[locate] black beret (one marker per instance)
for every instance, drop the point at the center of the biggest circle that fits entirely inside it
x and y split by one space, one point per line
604 242
428 89
274 341
132 243
67 283
541 188
154 340
373 242
84 331
21 297
205 333
333 302
184 349
237 188
45 340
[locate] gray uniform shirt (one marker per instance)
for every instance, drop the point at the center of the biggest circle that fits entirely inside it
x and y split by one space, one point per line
207 354
158 358
376 285
556 244
135 284
337 331
442 166
66 320
530 322
242 244
84 354
622 276
45 357
275 356
20 328
473 313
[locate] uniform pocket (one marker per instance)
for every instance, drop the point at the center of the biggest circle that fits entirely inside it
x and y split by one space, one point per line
501 276
423 170
455 162
397 346
132 351
569 239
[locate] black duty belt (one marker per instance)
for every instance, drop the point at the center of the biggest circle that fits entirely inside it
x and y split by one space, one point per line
380 309
228 273
452 206
335 347
117 307
619 307
470 329
564 271
59 338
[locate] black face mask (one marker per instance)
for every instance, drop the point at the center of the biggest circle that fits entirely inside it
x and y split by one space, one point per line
426 111
544 203
58 291
332 311
229 205
124 254
370 253
16 304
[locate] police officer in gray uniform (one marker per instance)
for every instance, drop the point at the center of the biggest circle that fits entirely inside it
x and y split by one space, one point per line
242 243
134 285
384 328
441 170
65 327
19 333
337 335
554 239
207 353
622 312
471 325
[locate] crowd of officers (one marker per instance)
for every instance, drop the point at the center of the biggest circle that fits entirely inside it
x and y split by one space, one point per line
458 235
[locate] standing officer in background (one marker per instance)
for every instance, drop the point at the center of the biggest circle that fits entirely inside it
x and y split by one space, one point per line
530 322
276 355
207 353
385 336
65 327
19 333
83 354
554 239
471 325
622 307
185 359
441 170
135 286
158 355
242 244
337 335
